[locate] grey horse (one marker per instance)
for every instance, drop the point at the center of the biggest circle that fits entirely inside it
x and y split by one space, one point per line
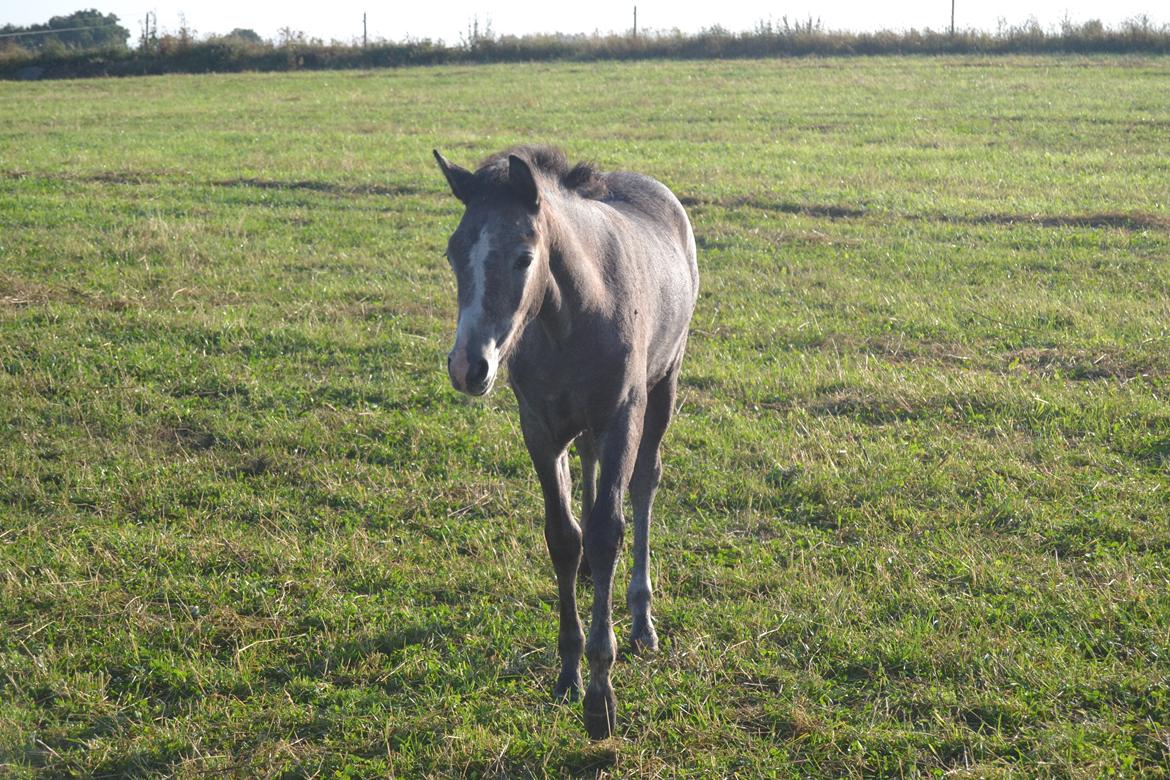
584 284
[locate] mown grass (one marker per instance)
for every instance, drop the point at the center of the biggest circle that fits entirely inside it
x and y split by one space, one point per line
915 511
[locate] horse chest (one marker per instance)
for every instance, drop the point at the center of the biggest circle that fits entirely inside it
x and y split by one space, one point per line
553 389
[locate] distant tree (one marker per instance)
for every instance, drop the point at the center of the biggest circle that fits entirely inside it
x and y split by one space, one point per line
80 30
186 35
245 34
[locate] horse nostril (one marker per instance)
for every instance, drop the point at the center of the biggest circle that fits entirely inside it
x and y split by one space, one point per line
477 373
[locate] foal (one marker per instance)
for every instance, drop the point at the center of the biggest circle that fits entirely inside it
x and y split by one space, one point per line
584 284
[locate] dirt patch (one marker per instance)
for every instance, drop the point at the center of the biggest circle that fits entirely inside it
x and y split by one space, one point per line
865 408
21 292
185 438
146 177
102 177
120 177
1135 221
896 348
254 466
329 188
819 210
1082 364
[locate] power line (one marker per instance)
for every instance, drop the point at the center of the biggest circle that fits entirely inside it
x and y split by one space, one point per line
57 30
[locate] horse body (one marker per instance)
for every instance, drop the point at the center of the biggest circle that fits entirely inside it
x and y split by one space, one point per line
584 283
619 306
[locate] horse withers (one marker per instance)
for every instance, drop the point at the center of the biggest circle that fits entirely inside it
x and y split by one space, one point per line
583 283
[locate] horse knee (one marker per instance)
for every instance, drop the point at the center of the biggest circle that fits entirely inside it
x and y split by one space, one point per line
602 542
645 481
654 467
564 542
601 649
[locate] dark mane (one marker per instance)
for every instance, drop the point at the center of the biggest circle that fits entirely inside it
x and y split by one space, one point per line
583 178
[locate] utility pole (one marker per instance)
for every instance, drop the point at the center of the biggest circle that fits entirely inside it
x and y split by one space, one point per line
636 20
149 31
952 18
366 40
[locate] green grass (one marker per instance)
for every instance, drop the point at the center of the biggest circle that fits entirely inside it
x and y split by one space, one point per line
915 519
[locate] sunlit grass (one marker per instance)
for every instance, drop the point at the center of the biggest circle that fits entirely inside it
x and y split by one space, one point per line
914 517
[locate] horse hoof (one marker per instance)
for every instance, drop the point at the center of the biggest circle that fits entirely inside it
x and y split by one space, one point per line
600 713
643 637
568 687
645 643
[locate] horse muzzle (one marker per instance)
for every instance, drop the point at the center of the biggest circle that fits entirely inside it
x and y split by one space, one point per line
472 373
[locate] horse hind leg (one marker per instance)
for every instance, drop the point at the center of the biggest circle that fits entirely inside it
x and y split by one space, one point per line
643 486
563 537
588 455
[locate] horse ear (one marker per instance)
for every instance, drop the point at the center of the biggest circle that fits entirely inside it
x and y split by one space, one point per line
458 179
523 182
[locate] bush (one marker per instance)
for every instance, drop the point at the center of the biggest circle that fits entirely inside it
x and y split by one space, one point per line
244 50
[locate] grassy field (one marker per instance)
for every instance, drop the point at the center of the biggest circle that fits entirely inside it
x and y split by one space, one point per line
915 519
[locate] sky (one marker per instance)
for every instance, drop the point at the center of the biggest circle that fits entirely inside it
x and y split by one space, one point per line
342 19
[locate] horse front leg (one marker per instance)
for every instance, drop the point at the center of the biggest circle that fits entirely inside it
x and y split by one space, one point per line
563 537
604 530
643 486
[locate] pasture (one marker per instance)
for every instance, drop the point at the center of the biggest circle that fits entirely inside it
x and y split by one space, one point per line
915 516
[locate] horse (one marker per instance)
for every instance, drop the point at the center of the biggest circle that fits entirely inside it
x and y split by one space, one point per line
583 283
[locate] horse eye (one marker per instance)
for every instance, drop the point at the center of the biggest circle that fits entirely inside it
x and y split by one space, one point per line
523 261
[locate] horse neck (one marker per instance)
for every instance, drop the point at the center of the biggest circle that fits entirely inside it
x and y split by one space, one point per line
576 239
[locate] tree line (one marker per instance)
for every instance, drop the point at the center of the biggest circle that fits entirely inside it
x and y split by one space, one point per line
102 48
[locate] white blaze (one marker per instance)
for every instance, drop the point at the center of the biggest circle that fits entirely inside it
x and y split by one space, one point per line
471 315
471 318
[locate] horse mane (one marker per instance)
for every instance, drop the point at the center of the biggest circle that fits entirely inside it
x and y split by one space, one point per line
583 178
